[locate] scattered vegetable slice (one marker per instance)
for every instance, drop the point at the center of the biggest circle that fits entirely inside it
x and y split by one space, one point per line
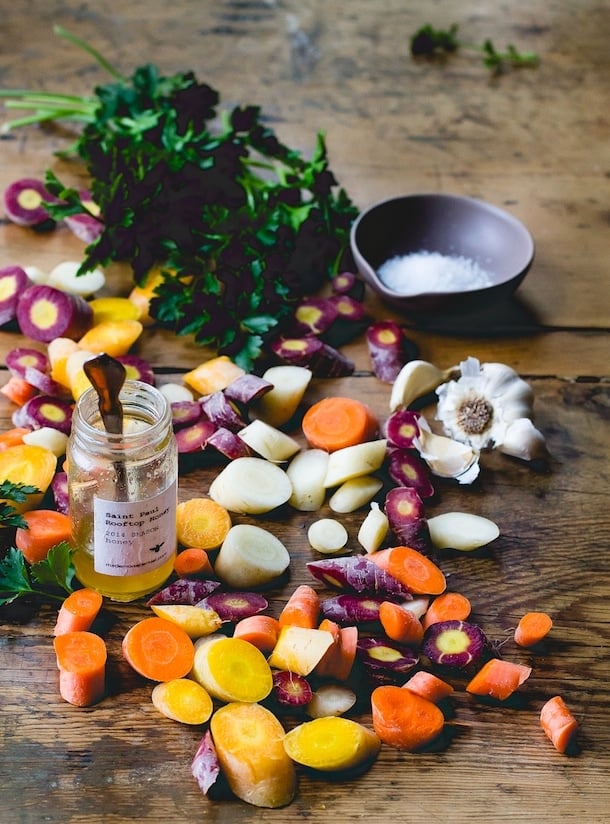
250 557
417 573
338 422
202 522
498 679
404 720
183 700
327 536
78 612
332 744
291 689
558 723
24 202
43 529
357 573
231 669
454 643
532 628
462 531
389 349
81 659
44 313
158 649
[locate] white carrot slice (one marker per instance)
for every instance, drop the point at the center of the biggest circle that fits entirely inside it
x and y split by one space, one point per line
461 530
330 699
327 536
279 404
354 493
352 461
64 277
306 472
269 442
250 556
373 529
251 486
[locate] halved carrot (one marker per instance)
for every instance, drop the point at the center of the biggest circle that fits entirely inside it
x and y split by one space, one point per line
413 569
302 609
18 390
429 686
81 659
12 437
400 624
337 422
202 522
532 628
45 529
558 723
193 562
403 719
448 606
262 631
158 649
338 660
78 611
498 679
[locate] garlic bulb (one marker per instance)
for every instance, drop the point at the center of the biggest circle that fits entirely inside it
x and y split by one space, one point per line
479 407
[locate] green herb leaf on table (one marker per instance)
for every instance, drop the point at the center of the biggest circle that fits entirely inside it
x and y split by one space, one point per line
17 493
42 579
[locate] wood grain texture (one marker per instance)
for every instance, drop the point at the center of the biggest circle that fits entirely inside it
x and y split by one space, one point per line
533 142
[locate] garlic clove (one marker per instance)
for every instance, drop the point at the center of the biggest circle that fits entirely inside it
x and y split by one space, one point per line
416 379
522 440
448 458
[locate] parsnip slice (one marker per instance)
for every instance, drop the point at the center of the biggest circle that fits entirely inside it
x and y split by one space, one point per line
250 556
462 531
277 406
354 493
352 461
327 536
373 529
271 443
251 486
306 472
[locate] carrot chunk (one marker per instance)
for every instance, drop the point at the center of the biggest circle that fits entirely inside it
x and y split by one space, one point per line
78 611
413 569
532 628
428 686
261 631
448 606
193 562
335 423
400 624
81 659
404 720
45 529
558 723
302 608
498 679
158 649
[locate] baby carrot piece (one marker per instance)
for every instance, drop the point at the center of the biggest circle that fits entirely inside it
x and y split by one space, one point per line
193 562
158 649
335 423
448 606
413 569
12 437
45 529
18 390
261 631
400 624
81 659
498 679
532 628
202 522
302 608
78 611
558 723
404 720
428 686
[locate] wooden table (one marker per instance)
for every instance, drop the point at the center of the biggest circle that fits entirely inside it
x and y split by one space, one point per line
531 141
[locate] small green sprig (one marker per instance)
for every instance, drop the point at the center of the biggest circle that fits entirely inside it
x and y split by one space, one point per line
42 579
15 493
434 43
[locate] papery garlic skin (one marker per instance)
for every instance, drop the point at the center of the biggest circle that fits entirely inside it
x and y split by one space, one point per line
477 408
447 457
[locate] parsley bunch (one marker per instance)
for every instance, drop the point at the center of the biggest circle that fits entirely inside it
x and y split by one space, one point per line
51 578
241 225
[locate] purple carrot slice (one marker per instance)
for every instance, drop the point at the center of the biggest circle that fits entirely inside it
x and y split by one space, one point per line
23 357
357 574
185 413
406 468
85 227
353 607
44 410
348 308
454 643
45 313
384 660
291 689
296 351
401 428
24 202
137 369
205 766
229 444
59 490
233 606
219 409
389 349
195 437
312 316
190 591
347 283
13 282
247 388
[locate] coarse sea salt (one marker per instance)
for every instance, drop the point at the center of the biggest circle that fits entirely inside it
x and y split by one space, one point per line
422 272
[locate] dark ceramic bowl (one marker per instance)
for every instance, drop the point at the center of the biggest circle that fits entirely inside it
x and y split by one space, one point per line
449 225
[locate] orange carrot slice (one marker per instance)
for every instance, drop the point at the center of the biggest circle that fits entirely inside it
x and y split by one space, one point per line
400 624
45 529
498 679
78 611
413 569
193 562
202 522
404 720
429 686
448 606
302 608
532 628
18 390
81 659
158 649
335 423
261 631
12 437
558 723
